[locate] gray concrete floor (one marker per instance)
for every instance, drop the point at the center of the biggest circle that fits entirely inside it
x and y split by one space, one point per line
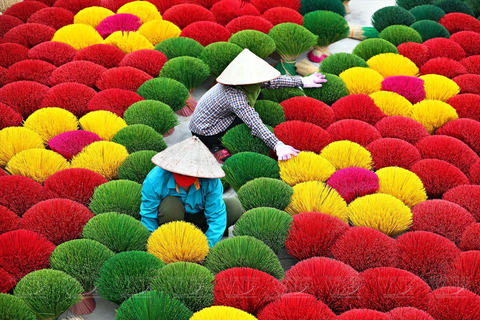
362 10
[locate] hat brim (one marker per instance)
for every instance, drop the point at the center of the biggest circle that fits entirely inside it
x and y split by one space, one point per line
245 83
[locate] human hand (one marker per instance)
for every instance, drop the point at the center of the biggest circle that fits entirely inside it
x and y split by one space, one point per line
285 152
314 80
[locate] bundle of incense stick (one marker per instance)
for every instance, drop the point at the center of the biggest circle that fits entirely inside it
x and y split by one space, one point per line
305 67
347 7
362 33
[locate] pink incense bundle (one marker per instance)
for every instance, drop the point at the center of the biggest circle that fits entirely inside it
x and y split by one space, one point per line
352 183
227 10
411 88
184 14
282 15
70 143
118 22
249 23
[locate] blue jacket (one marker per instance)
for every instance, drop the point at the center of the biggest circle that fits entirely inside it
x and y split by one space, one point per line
160 184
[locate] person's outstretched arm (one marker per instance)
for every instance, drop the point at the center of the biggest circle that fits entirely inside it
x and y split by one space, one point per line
240 106
314 80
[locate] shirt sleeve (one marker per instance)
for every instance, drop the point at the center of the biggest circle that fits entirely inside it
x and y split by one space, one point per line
240 106
149 207
284 81
215 212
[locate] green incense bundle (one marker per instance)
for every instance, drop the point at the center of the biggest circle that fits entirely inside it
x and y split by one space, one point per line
291 40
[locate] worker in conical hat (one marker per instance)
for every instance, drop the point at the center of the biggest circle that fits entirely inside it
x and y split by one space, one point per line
185 185
230 103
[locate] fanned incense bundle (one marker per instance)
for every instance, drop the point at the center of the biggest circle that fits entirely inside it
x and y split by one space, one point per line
179 47
329 27
103 157
307 166
382 212
78 36
402 184
371 47
37 164
257 42
17 139
189 282
316 196
153 304
92 16
117 232
103 123
189 71
291 40
178 241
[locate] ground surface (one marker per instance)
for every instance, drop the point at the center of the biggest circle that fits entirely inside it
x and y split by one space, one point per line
362 10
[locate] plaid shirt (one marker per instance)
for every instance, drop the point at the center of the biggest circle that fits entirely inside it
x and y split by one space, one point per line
217 109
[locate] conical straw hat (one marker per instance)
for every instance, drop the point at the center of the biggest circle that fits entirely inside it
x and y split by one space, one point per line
247 68
190 158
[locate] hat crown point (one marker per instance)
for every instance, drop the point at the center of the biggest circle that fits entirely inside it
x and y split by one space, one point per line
189 157
247 68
